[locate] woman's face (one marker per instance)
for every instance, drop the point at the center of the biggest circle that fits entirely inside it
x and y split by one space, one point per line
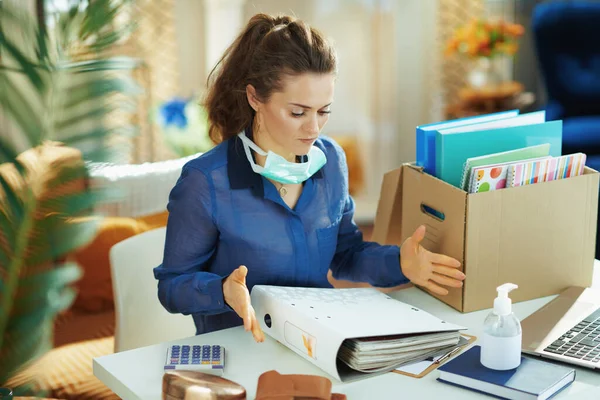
291 120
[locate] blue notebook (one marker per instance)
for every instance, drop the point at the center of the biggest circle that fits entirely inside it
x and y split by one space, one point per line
426 135
454 148
533 379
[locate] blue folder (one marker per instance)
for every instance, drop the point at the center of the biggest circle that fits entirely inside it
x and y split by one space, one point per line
425 136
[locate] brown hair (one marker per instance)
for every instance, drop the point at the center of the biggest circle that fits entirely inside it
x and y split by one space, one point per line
267 48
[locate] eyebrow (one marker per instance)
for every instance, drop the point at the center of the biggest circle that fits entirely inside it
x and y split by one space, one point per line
307 107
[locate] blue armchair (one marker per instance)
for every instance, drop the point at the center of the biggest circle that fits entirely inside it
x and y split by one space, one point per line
566 36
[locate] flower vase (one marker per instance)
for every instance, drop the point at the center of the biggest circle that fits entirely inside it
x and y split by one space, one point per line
484 74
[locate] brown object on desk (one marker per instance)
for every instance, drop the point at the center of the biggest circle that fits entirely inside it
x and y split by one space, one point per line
195 385
489 99
274 386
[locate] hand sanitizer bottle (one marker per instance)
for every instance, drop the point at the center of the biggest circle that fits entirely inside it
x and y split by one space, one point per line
501 341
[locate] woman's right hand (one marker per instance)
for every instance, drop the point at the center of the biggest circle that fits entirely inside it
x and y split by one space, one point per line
236 295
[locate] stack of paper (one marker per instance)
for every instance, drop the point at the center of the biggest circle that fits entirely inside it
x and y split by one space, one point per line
381 353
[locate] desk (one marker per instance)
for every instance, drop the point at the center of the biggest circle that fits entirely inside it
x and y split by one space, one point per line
137 374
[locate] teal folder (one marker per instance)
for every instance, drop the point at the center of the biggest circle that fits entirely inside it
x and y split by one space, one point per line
452 150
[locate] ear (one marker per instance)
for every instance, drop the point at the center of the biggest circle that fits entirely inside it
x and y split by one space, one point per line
252 97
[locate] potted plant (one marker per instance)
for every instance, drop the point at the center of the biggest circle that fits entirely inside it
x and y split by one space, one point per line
58 83
482 41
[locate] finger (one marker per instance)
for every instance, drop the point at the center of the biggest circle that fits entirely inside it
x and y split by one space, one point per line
444 280
451 272
240 274
444 260
257 332
419 234
246 317
436 288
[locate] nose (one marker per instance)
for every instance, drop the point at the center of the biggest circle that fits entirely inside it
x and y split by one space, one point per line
312 126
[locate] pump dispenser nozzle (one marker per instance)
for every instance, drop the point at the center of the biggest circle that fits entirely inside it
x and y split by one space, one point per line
503 303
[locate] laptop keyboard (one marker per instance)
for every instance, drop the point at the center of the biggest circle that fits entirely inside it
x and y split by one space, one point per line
580 342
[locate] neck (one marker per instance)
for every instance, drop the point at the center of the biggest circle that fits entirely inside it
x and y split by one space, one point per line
264 141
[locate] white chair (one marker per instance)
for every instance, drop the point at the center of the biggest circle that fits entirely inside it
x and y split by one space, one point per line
140 318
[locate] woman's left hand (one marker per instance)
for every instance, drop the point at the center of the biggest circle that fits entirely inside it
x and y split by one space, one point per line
427 269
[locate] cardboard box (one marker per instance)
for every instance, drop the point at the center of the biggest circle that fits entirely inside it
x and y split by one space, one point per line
540 237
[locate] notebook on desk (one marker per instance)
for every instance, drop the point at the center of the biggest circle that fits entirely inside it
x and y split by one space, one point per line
567 329
533 379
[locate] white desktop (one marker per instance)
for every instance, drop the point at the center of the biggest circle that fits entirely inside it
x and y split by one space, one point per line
137 374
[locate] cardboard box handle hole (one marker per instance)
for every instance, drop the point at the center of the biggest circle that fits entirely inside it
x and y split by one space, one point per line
432 212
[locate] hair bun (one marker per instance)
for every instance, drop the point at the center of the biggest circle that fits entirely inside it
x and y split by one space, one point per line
282 20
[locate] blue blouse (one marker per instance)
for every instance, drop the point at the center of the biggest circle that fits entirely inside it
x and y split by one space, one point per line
222 215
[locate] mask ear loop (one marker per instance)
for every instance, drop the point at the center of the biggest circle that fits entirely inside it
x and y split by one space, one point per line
252 145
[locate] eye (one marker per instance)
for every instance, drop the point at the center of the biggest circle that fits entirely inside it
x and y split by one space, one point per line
325 112
297 114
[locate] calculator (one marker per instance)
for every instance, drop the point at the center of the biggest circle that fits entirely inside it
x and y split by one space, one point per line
209 359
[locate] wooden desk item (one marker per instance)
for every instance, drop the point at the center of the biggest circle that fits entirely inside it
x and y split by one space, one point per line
195 385
274 386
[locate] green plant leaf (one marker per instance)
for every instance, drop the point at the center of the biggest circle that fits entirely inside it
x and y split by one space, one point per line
56 301
67 175
22 111
105 64
98 15
98 88
100 133
77 119
106 40
20 350
8 229
7 152
15 205
73 205
29 68
34 289
62 237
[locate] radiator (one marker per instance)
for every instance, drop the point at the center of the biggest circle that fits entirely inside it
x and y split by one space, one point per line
140 189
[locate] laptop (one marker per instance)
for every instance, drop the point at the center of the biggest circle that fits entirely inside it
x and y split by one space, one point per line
566 329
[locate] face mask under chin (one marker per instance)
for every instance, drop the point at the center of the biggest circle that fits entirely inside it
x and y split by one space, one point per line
281 170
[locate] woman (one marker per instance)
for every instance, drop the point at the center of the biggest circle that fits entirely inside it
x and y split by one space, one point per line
270 205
